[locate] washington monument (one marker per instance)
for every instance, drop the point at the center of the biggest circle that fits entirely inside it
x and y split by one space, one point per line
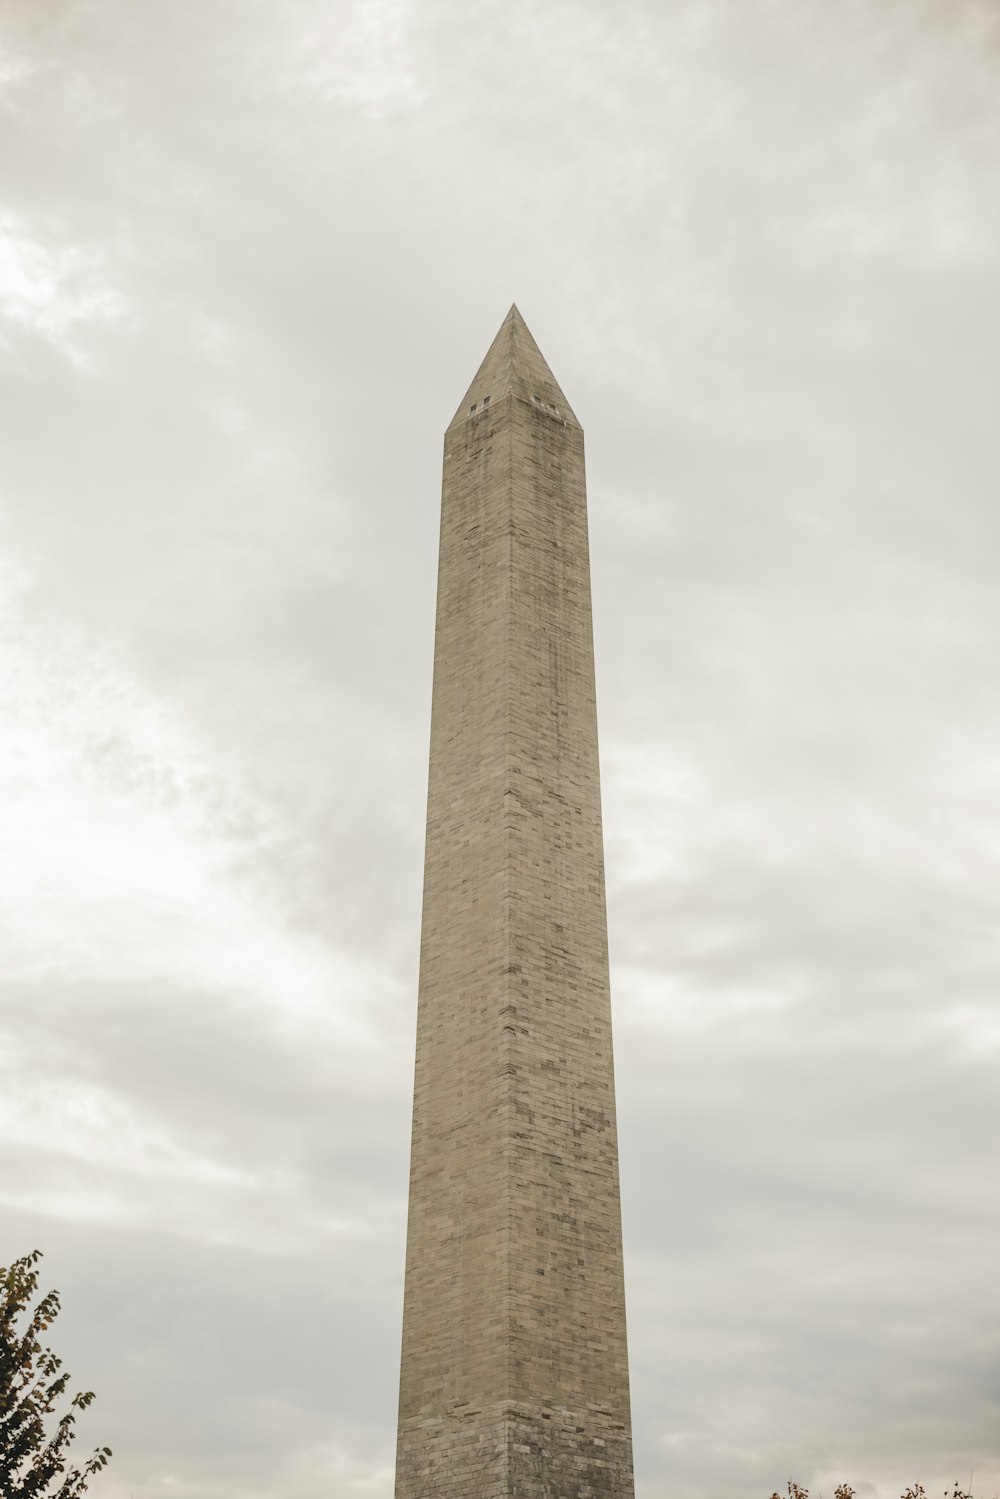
514 1381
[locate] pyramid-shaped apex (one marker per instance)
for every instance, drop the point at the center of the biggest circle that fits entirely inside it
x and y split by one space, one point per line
515 366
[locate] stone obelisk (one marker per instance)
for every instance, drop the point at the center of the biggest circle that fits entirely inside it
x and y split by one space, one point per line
514 1379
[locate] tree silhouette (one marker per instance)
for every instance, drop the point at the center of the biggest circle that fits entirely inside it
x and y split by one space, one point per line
844 1491
33 1463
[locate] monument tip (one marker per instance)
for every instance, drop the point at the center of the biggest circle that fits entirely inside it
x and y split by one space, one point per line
514 366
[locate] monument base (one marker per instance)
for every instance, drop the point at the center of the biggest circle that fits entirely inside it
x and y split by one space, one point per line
511 1453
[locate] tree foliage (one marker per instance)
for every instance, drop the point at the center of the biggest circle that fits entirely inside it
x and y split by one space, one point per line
844 1491
33 1460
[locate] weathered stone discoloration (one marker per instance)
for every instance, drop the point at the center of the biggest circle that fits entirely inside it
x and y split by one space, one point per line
514 1370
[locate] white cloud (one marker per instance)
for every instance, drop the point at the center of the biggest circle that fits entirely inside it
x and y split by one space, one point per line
55 293
125 854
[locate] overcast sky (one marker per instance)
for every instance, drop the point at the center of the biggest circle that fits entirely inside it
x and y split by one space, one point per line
251 255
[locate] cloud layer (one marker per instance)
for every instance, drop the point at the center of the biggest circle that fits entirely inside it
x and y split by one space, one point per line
249 258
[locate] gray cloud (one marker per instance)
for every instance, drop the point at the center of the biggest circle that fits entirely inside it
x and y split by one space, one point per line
249 258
